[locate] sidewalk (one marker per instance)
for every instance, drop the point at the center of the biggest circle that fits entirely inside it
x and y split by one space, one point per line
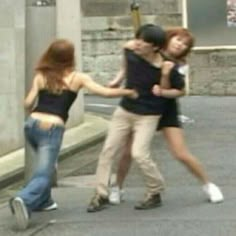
91 131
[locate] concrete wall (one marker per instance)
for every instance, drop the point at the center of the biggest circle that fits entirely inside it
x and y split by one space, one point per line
213 72
12 74
113 14
107 24
13 63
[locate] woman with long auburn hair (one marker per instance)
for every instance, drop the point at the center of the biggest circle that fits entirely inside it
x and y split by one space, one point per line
55 87
178 45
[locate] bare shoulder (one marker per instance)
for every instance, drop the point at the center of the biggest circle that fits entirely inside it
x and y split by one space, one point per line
39 80
80 80
80 76
130 44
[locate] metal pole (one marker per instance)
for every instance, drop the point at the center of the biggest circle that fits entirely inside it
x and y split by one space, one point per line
135 14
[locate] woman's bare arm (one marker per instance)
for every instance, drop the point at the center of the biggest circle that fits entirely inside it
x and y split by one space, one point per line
33 93
89 83
164 89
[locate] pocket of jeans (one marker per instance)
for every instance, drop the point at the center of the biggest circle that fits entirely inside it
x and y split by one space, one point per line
28 124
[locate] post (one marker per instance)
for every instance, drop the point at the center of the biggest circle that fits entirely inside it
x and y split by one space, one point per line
40 31
135 14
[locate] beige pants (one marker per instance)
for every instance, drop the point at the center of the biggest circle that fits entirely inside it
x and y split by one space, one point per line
143 128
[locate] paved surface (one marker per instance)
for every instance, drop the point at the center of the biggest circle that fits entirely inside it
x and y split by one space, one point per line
185 210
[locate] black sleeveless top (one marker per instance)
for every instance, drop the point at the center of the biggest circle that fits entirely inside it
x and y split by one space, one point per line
55 104
142 76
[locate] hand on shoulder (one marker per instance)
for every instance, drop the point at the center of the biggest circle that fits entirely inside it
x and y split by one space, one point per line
167 66
130 44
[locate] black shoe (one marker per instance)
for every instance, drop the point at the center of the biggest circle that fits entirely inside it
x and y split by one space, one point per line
97 203
149 202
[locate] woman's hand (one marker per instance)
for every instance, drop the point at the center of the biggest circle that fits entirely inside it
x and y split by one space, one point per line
167 66
156 90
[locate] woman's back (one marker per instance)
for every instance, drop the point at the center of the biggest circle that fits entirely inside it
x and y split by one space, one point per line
53 106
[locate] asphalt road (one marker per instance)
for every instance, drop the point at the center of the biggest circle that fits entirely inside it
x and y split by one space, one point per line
185 211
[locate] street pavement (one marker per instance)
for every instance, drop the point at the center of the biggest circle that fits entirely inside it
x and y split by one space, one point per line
210 135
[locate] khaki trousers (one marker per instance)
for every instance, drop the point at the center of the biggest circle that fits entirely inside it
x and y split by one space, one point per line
143 128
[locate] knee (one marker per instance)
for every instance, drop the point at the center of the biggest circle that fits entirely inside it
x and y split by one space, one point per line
140 157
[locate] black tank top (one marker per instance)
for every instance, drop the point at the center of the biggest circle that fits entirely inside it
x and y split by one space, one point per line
55 104
142 76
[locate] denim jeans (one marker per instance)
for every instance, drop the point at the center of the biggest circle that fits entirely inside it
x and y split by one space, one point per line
46 143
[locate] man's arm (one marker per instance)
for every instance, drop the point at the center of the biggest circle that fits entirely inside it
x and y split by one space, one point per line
120 76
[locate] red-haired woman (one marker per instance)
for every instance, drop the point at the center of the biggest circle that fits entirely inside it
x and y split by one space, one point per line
179 43
55 86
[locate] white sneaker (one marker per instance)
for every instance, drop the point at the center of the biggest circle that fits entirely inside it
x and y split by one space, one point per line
51 207
116 195
213 192
21 213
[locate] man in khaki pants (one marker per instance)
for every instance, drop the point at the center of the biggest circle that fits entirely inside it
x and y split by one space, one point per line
140 117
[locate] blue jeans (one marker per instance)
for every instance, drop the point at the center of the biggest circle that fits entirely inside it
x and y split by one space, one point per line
46 143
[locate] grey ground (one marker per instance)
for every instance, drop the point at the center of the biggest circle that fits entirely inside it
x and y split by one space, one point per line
185 210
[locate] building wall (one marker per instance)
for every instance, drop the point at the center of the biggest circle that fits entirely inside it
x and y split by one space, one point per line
12 74
213 72
107 24
13 64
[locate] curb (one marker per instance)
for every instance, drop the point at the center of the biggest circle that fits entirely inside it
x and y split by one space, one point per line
18 174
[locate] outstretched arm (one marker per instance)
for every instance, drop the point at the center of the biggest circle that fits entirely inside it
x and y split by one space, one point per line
89 83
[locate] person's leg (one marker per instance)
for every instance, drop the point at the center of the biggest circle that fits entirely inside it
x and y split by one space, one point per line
37 193
124 164
117 136
144 130
179 150
116 191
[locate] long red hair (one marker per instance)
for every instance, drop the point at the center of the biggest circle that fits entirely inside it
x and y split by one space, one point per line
56 60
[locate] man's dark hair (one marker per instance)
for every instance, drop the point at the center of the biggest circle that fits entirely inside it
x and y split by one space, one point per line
153 34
